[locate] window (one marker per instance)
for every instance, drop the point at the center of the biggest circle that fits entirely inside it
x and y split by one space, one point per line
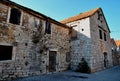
38 23
82 29
15 16
100 33
105 37
48 27
5 52
98 15
68 57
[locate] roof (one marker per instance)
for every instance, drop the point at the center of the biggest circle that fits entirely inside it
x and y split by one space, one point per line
113 41
81 16
35 13
117 42
84 15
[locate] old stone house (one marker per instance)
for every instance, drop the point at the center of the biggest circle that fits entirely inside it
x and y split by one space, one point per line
115 53
118 48
33 44
30 42
118 45
90 40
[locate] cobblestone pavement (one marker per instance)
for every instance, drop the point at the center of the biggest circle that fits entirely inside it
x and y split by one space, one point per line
111 74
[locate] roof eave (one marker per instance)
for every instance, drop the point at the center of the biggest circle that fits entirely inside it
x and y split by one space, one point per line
35 13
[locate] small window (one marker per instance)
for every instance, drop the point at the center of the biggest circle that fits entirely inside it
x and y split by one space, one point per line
82 29
15 16
38 23
100 33
98 15
5 52
105 37
48 27
68 57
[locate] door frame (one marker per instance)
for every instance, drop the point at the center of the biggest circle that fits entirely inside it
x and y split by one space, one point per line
105 59
54 50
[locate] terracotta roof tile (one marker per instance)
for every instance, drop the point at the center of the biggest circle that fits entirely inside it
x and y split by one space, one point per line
80 16
117 42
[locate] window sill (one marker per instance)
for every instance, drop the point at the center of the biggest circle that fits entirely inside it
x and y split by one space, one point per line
6 61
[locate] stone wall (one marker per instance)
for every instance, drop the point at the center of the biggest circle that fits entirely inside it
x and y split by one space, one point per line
31 45
81 45
87 43
100 46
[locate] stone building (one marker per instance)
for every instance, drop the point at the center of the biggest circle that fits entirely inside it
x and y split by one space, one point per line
118 48
90 39
30 42
118 45
33 44
115 53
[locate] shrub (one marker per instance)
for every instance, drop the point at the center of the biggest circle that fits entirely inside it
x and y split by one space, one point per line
35 40
83 66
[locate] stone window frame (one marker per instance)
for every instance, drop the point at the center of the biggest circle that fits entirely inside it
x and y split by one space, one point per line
103 33
13 52
38 23
9 12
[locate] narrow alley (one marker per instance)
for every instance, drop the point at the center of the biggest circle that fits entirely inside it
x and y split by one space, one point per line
111 74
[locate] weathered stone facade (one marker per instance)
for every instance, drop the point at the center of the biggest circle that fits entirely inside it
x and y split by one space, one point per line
89 44
35 50
115 54
101 47
118 49
33 44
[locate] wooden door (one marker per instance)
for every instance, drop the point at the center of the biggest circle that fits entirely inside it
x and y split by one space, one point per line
52 61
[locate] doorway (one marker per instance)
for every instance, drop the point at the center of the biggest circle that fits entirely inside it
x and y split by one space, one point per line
52 61
105 59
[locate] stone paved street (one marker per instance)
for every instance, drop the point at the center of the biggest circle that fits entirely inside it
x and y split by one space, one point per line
111 74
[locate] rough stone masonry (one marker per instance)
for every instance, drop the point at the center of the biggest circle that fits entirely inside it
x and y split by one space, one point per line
30 43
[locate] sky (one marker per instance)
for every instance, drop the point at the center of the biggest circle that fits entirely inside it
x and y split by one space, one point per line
62 9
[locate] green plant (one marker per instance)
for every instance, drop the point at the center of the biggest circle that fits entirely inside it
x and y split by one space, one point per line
35 39
83 66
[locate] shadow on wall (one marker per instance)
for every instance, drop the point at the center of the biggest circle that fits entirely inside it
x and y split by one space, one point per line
83 66
80 51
